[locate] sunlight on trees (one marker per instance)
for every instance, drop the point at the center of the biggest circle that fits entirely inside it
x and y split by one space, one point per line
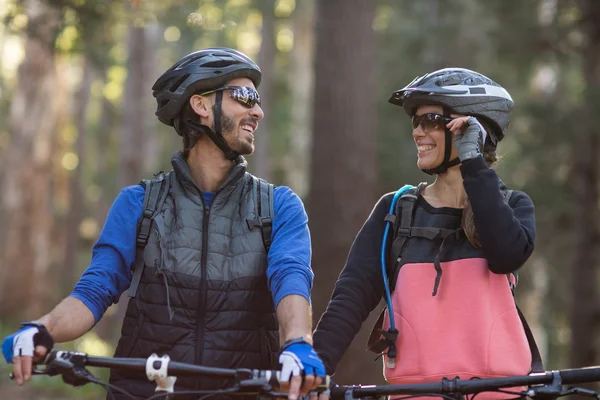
211 16
90 343
88 229
114 87
69 134
69 161
284 8
247 36
285 40
66 40
172 34
12 55
383 16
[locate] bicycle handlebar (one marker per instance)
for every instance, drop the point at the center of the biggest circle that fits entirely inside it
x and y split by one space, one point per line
551 384
71 365
547 385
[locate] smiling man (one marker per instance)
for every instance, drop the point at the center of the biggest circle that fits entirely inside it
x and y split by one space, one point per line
217 261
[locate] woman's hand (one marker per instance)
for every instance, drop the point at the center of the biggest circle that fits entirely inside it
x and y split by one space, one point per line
469 137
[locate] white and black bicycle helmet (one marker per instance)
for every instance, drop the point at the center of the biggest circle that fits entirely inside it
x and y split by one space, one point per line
459 91
197 72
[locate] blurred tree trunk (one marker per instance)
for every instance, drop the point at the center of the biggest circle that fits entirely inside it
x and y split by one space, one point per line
134 107
344 168
433 56
151 144
27 180
301 80
261 162
105 131
585 315
76 192
106 127
134 137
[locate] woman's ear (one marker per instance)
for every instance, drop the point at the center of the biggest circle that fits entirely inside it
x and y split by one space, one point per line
200 105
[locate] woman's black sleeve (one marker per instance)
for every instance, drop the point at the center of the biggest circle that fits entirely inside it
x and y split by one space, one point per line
357 291
506 231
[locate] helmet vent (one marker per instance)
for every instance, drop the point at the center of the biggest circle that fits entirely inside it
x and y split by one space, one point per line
189 61
477 90
217 64
178 82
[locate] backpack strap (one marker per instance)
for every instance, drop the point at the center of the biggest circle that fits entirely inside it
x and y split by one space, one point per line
379 339
262 191
403 229
513 277
402 222
156 194
536 358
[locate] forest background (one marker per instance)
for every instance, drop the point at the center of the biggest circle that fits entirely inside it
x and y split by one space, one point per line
77 124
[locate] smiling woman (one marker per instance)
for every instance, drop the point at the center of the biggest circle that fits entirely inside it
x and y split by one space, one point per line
461 236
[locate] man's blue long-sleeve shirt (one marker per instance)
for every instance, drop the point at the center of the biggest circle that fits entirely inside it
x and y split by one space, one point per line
109 274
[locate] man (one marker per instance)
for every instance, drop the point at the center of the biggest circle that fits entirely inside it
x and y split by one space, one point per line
214 282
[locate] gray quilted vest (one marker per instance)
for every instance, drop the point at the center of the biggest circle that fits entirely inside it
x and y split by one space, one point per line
202 295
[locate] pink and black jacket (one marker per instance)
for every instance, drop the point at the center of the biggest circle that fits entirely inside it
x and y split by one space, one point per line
470 327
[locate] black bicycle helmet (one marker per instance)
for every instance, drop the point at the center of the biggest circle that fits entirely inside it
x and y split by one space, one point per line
459 91
199 71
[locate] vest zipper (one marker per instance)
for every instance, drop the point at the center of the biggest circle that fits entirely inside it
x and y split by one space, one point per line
202 298
203 284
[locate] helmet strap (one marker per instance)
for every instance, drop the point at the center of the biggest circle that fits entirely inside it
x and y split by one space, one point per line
446 163
216 136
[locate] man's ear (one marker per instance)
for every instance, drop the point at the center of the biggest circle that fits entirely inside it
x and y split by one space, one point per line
200 105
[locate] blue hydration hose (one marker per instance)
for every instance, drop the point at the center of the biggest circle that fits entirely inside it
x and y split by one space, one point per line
386 285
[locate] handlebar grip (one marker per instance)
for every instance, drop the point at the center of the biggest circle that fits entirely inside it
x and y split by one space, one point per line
34 371
273 377
338 392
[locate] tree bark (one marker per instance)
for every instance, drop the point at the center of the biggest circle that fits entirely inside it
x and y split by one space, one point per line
152 143
344 168
301 80
135 130
106 128
134 107
27 180
261 161
585 316
76 193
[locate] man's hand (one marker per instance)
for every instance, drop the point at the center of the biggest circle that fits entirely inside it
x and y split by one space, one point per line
31 342
299 360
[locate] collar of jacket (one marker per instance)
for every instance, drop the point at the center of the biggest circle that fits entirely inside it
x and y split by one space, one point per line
182 169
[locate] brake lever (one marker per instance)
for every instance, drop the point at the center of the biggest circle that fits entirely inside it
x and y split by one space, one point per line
583 392
261 385
72 369
550 391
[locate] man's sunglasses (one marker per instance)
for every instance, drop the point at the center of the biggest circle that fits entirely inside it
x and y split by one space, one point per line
246 96
430 122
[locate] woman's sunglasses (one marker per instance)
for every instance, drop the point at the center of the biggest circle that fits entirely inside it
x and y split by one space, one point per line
430 122
246 96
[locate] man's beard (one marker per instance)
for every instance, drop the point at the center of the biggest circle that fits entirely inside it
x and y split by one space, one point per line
230 133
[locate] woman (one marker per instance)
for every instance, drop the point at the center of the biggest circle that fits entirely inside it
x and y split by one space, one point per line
447 247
